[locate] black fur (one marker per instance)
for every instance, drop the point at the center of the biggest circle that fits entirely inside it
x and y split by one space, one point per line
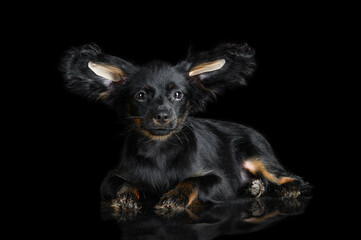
168 155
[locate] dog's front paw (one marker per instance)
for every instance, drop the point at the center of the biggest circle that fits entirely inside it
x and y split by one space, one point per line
180 197
127 198
173 199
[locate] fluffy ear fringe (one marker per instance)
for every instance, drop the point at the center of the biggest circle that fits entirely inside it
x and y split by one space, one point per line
82 80
239 65
77 75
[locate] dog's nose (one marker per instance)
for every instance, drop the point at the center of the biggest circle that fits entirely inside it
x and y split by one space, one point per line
162 117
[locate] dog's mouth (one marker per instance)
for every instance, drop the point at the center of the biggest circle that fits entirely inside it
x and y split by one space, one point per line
160 131
154 132
158 134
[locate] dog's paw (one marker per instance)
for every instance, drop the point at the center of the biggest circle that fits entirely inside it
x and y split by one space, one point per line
256 188
173 199
180 197
127 199
290 190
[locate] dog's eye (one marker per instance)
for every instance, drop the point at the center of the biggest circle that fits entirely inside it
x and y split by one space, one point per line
178 95
141 96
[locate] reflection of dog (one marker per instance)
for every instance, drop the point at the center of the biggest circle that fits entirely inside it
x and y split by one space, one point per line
168 154
238 217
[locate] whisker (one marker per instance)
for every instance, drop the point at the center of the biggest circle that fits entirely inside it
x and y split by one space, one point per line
175 133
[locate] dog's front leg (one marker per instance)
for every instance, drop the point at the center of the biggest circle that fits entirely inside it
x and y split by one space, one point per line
186 193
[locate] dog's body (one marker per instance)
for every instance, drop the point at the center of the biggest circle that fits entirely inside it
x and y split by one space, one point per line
168 155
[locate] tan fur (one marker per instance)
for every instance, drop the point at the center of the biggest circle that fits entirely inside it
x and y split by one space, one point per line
254 166
191 189
138 122
155 137
107 71
207 67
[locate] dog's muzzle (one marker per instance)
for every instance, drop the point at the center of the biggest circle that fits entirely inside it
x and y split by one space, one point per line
161 123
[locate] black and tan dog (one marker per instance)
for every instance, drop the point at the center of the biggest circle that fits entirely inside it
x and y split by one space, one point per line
168 155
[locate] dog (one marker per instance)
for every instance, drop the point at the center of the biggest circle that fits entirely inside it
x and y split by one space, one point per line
171 159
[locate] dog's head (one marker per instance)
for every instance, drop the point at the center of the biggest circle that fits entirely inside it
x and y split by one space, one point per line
158 97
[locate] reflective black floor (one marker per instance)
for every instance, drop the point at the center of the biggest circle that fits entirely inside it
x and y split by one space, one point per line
237 218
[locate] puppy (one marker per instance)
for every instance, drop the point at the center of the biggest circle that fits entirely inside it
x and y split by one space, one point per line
169 156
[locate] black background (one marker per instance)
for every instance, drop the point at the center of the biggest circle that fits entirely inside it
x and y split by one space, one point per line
70 144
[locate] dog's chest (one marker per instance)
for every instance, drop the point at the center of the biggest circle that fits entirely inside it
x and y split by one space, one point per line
157 177
156 170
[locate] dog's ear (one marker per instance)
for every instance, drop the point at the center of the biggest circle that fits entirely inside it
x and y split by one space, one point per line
95 75
228 65
211 72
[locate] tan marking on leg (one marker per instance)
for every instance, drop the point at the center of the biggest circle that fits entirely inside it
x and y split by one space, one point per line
189 189
135 192
286 180
254 165
192 196
131 189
